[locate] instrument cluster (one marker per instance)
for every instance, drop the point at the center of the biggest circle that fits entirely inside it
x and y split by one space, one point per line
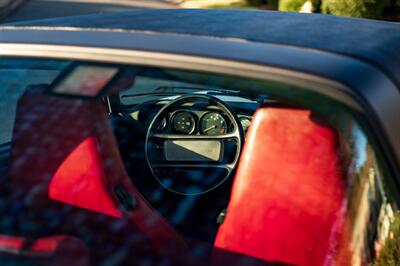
200 122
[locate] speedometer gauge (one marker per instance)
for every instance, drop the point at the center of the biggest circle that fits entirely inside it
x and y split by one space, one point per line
183 122
213 124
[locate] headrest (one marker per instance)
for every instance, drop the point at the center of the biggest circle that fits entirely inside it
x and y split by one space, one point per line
288 198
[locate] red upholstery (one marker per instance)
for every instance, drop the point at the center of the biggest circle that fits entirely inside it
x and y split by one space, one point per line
66 166
79 180
288 197
57 250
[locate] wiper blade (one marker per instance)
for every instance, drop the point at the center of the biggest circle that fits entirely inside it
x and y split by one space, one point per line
146 94
168 91
176 90
172 89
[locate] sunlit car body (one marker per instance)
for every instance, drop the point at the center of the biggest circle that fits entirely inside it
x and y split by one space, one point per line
300 191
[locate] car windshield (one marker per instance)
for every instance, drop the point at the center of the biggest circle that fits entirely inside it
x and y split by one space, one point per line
111 164
149 84
155 84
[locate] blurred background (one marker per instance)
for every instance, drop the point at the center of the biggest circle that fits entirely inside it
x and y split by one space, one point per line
19 10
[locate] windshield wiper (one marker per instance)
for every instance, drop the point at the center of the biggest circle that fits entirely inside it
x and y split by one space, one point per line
168 91
174 90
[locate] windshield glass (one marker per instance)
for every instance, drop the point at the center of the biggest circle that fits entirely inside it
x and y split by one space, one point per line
155 84
107 164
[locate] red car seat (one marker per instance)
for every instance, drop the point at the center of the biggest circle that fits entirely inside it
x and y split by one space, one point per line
67 177
58 250
288 198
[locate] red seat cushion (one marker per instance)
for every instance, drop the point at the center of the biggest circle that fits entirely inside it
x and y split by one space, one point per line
288 197
56 250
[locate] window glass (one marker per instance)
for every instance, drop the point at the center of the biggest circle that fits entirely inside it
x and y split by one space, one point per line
15 76
171 167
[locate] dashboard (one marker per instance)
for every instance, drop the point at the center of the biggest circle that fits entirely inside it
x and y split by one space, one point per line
193 142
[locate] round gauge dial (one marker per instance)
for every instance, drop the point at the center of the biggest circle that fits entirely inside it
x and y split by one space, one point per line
183 122
245 122
213 124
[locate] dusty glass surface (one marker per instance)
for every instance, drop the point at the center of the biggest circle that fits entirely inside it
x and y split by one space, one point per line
122 178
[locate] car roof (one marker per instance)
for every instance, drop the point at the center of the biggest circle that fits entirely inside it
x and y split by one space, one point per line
373 41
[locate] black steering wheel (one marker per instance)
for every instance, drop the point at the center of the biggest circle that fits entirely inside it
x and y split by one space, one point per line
193 162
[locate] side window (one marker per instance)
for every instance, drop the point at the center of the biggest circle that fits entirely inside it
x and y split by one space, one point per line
15 76
146 165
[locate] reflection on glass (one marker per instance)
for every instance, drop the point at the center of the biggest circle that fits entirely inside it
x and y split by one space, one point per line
60 137
369 212
86 80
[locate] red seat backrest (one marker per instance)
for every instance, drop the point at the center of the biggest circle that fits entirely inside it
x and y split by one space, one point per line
288 197
66 171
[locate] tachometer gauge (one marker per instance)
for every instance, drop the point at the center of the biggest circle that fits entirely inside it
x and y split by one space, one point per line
213 124
183 122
